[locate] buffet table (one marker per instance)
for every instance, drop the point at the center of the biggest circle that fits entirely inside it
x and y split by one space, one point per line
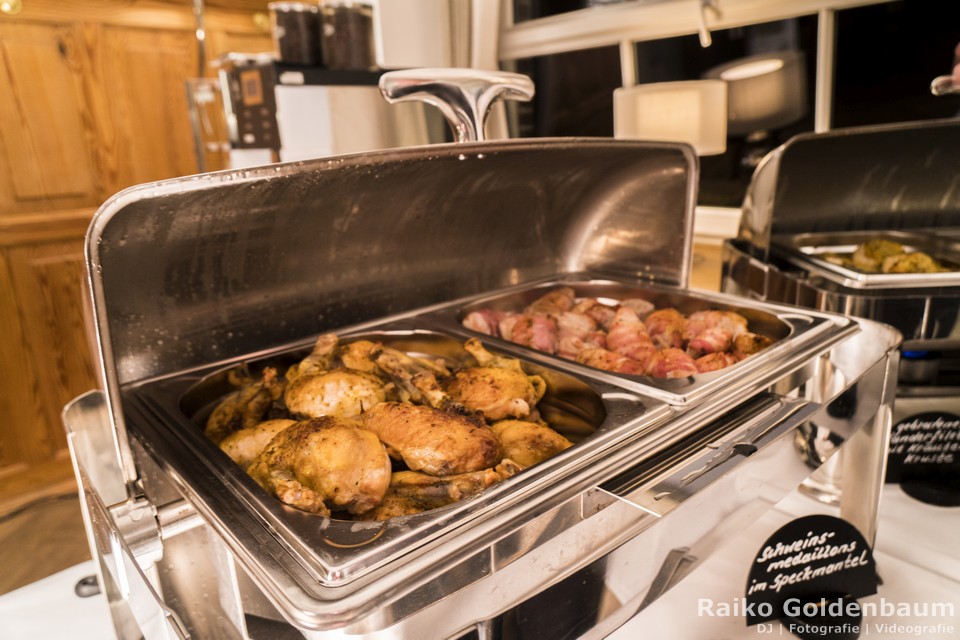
916 552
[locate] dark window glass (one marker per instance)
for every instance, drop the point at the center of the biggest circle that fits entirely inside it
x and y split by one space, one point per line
885 56
574 94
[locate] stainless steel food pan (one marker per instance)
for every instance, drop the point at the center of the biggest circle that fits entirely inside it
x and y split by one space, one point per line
811 250
798 336
333 560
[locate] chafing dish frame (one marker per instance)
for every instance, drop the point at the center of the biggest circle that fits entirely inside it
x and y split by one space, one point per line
208 229
879 179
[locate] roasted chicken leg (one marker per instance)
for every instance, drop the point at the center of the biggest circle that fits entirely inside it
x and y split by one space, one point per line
412 491
324 464
528 443
245 407
440 443
499 387
314 389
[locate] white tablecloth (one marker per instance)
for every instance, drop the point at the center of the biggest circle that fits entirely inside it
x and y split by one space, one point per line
50 610
917 553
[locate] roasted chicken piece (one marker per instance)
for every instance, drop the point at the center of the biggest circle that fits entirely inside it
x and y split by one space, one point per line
411 492
358 356
245 445
528 443
499 388
916 262
324 464
747 344
316 389
437 442
715 361
245 407
415 378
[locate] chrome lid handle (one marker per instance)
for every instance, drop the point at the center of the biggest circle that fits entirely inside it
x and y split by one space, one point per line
463 96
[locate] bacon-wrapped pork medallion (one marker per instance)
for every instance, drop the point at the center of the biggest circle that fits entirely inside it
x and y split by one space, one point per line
631 337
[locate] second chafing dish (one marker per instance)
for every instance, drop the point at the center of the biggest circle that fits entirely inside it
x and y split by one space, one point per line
814 250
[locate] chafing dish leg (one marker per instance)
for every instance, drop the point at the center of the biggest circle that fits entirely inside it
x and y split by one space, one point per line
865 458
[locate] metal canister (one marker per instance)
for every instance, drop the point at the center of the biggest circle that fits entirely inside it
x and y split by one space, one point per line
347 35
296 32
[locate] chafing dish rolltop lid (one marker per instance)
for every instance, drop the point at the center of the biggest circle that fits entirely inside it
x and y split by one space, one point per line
829 192
192 275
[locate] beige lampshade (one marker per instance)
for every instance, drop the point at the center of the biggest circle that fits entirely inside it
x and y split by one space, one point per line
693 111
765 91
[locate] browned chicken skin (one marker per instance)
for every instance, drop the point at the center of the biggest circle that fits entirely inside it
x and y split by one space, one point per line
415 378
528 443
499 387
440 443
341 392
246 407
412 492
324 464
316 389
245 445
337 460
747 344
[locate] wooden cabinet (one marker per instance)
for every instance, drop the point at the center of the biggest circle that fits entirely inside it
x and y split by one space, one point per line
92 100
45 155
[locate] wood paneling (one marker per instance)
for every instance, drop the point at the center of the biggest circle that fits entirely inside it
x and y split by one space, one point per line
145 71
42 539
46 362
45 152
92 100
225 15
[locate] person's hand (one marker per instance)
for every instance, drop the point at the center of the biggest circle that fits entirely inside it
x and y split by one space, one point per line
956 66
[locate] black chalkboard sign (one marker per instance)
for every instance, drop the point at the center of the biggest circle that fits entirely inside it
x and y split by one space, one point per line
811 561
924 457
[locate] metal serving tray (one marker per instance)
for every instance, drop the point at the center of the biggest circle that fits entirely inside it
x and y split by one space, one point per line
810 250
798 335
338 556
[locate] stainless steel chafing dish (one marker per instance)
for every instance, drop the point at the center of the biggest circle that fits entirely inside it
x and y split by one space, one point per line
822 191
818 252
189 277
826 193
